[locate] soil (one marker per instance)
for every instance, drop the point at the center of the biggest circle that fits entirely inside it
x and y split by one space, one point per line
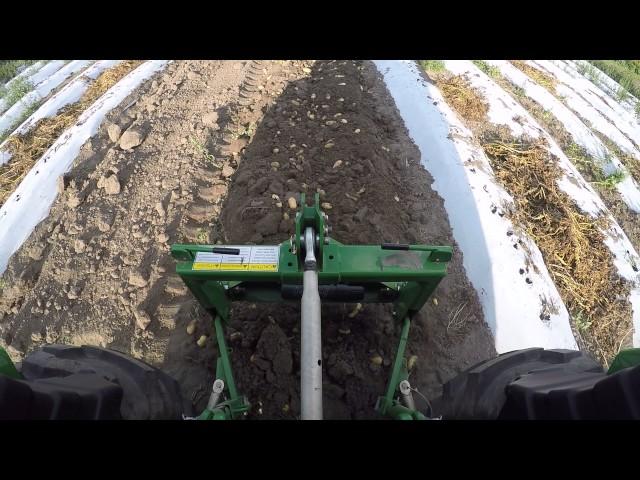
219 139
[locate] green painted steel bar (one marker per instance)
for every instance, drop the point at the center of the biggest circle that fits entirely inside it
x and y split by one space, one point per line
224 356
400 412
397 363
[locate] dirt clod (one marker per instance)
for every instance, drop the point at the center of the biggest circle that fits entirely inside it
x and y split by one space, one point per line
137 280
114 131
131 139
227 171
142 319
79 246
110 184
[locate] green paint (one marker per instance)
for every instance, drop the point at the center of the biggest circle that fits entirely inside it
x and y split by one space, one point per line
625 359
7 367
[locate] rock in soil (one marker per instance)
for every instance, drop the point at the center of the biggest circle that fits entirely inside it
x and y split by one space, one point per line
130 139
142 319
114 131
110 184
137 280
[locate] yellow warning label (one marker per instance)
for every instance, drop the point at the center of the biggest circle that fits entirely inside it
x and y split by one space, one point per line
251 267
245 258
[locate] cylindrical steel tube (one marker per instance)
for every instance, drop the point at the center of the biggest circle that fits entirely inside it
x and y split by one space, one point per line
311 350
311 339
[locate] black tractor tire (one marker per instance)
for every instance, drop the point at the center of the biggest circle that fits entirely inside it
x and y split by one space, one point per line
83 396
147 393
480 392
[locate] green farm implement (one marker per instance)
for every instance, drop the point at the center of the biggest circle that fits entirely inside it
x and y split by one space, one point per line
311 268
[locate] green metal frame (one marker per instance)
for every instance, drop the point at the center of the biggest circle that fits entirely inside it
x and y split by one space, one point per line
7 367
236 406
405 275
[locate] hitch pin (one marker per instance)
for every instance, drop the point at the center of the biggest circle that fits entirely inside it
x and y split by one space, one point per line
218 387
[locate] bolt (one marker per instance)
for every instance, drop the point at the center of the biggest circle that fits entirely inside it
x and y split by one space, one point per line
405 387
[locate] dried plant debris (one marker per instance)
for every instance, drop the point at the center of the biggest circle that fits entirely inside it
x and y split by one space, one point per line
591 168
467 101
28 148
571 242
538 76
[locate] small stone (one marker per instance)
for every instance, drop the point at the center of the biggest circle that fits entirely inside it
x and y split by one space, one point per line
227 171
435 301
344 331
36 253
210 119
114 131
73 200
275 197
357 130
326 206
276 150
292 203
337 164
279 204
412 362
355 310
79 246
351 197
376 360
60 186
191 328
162 238
306 70
344 120
142 319
110 184
72 294
130 139
160 209
395 197
275 165
102 225
328 145
202 341
137 280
